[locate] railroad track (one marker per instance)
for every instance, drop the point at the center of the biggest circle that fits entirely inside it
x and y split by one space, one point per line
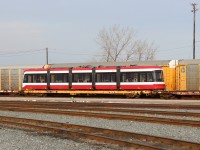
61 109
168 121
108 109
119 138
97 104
100 135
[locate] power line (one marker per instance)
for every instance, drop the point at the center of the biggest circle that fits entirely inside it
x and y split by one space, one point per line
176 48
17 52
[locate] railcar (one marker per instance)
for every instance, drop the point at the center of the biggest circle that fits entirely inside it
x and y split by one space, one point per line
124 80
181 78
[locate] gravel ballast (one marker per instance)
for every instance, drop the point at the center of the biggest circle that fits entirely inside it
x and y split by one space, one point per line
13 139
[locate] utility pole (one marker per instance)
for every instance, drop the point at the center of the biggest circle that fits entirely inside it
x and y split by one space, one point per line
194 12
47 62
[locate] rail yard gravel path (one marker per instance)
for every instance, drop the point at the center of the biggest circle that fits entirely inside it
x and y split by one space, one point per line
11 139
15 139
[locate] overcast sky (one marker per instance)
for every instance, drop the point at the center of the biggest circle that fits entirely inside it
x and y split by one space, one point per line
69 28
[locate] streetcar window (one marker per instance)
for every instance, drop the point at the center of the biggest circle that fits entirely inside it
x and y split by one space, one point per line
28 78
82 77
149 77
40 78
123 77
59 78
106 77
25 78
159 76
35 78
143 77
129 77
136 77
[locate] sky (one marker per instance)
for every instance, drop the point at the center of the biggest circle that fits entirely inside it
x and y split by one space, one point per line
69 28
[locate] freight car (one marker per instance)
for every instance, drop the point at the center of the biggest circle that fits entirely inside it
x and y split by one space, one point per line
115 80
181 77
11 78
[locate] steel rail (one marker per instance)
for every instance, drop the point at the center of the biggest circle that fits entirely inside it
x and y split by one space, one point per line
119 110
120 138
75 135
168 121
102 104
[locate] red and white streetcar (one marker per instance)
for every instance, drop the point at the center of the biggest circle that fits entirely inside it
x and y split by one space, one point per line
94 80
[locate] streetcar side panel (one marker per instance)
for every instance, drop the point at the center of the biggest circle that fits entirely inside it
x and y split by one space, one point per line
142 78
81 78
105 78
59 79
35 79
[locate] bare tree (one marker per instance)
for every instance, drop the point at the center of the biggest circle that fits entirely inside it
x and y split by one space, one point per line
144 51
121 44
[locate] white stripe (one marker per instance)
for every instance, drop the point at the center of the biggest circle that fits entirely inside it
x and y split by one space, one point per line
81 71
59 83
105 70
141 83
98 83
106 83
138 70
82 83
90 71
24 84
64 71
35 72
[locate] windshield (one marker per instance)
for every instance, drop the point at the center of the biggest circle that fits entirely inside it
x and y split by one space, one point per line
159 76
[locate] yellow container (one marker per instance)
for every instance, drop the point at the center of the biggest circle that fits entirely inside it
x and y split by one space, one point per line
169 77
181 73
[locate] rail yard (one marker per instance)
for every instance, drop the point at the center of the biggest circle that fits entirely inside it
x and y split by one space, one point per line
97 123
99 75
63 112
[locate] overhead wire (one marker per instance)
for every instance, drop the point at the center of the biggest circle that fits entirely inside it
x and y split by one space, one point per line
177 48
17 52
10 53
67 52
